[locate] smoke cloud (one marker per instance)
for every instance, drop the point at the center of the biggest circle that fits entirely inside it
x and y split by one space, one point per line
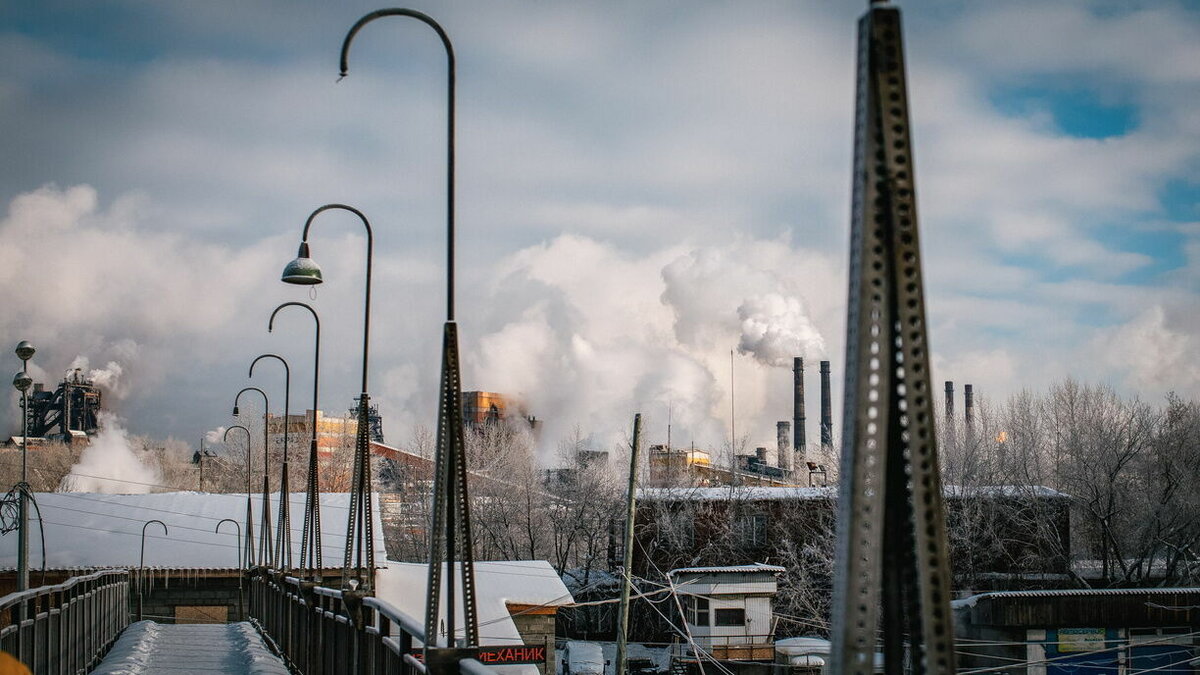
776 328
110 465
616 333
109 378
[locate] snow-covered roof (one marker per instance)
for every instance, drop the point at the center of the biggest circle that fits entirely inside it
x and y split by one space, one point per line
1003 491
764 493
746 493
1070 593
85 530
497 585
730 569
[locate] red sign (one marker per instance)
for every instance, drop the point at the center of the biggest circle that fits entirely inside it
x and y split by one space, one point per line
499 655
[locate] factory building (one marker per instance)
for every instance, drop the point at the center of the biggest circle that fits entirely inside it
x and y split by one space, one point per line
786 462
332 432
69 413
480 408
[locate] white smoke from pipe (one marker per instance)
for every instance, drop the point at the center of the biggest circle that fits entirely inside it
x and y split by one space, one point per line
110 464
611 333
776 328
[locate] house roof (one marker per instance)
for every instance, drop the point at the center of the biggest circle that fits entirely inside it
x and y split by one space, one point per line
497 585
88 530
730 569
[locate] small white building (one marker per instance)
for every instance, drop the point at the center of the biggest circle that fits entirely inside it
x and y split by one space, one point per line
728 609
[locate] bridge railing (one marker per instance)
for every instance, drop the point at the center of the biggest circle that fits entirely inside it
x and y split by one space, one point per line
68 627
323 631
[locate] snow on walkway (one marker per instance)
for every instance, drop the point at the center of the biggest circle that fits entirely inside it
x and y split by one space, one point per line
148 647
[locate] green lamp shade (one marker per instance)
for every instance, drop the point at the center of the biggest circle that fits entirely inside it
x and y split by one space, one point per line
303 270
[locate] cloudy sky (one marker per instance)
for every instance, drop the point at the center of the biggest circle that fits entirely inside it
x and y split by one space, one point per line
642 188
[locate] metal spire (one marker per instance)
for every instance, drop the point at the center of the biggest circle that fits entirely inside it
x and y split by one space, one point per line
891 530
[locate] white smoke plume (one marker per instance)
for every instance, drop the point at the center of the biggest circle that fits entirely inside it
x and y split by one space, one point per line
613 333
109 378
215 436
776 328
110 464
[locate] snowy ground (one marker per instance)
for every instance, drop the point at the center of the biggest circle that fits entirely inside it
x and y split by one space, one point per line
148 647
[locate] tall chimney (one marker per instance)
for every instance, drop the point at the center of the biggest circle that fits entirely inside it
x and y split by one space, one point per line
826 408
798 421
949 401
968 404
783 433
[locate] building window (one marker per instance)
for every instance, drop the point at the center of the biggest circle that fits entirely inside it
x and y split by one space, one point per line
750 531
698 611
729 617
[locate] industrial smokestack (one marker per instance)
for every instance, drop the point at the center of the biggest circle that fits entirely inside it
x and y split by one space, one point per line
783 433
968 404
949 401
798 405
826 408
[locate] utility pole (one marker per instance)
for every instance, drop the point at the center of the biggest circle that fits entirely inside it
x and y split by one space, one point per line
627 570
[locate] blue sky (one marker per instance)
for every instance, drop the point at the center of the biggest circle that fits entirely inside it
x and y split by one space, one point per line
642 187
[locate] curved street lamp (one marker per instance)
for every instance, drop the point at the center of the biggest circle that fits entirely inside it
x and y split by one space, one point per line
311 535
304 271
142 562
238 553
283 539
451 526
249 541
264 539
22 381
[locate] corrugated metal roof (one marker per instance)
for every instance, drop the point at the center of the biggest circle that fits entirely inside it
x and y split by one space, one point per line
1072 592
732 569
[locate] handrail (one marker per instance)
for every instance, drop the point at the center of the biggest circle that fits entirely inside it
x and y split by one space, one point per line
328 631
67 627
17 596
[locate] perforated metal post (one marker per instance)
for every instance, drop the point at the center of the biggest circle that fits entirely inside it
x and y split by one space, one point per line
450 533
892 548
450 537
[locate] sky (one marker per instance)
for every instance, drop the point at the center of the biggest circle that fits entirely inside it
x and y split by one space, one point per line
641 188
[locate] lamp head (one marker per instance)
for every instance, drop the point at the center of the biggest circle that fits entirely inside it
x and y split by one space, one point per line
22 381
25 351
235 411
303 270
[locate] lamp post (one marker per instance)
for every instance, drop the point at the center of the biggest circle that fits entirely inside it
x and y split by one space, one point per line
249 541
264 538
238 552
142 563
451 526
360 539
22 382
283 536
311 536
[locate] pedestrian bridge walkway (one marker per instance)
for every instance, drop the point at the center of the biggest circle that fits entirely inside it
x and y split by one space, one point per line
83 625
148 647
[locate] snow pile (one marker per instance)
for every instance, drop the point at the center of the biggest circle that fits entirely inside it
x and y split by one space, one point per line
146 647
